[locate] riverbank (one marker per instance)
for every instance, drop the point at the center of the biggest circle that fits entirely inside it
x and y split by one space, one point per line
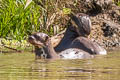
13 46
105 18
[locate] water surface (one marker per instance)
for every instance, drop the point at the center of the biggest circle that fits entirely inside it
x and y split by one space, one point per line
23 66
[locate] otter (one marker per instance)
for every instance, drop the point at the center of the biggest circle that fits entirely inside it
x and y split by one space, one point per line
79 25
43 41
76 36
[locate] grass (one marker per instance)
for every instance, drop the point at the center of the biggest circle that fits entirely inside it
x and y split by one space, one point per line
15 21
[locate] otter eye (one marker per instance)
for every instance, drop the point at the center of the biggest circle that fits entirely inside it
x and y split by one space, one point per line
36 36
46 38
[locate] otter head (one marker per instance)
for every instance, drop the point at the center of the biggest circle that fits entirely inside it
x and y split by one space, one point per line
82 23
38 39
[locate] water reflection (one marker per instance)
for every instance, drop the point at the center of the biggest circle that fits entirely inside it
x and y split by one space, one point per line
65 69
24 67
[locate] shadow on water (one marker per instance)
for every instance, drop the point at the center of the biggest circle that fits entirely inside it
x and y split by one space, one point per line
25 67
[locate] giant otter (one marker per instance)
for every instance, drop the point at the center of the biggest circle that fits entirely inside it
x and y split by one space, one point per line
79 25
44 41
76 36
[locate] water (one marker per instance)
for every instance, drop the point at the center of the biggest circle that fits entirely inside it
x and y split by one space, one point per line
23 66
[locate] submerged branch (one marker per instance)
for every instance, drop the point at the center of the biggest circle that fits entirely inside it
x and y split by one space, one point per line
3 44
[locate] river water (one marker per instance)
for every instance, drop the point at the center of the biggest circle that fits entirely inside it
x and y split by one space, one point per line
23 66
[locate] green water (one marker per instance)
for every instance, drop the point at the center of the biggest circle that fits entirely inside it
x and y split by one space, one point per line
23 66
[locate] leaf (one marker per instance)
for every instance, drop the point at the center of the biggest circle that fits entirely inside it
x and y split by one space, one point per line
66 10
27 3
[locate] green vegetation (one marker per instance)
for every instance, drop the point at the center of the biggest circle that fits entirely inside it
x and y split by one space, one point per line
117 2
20 18
17 21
